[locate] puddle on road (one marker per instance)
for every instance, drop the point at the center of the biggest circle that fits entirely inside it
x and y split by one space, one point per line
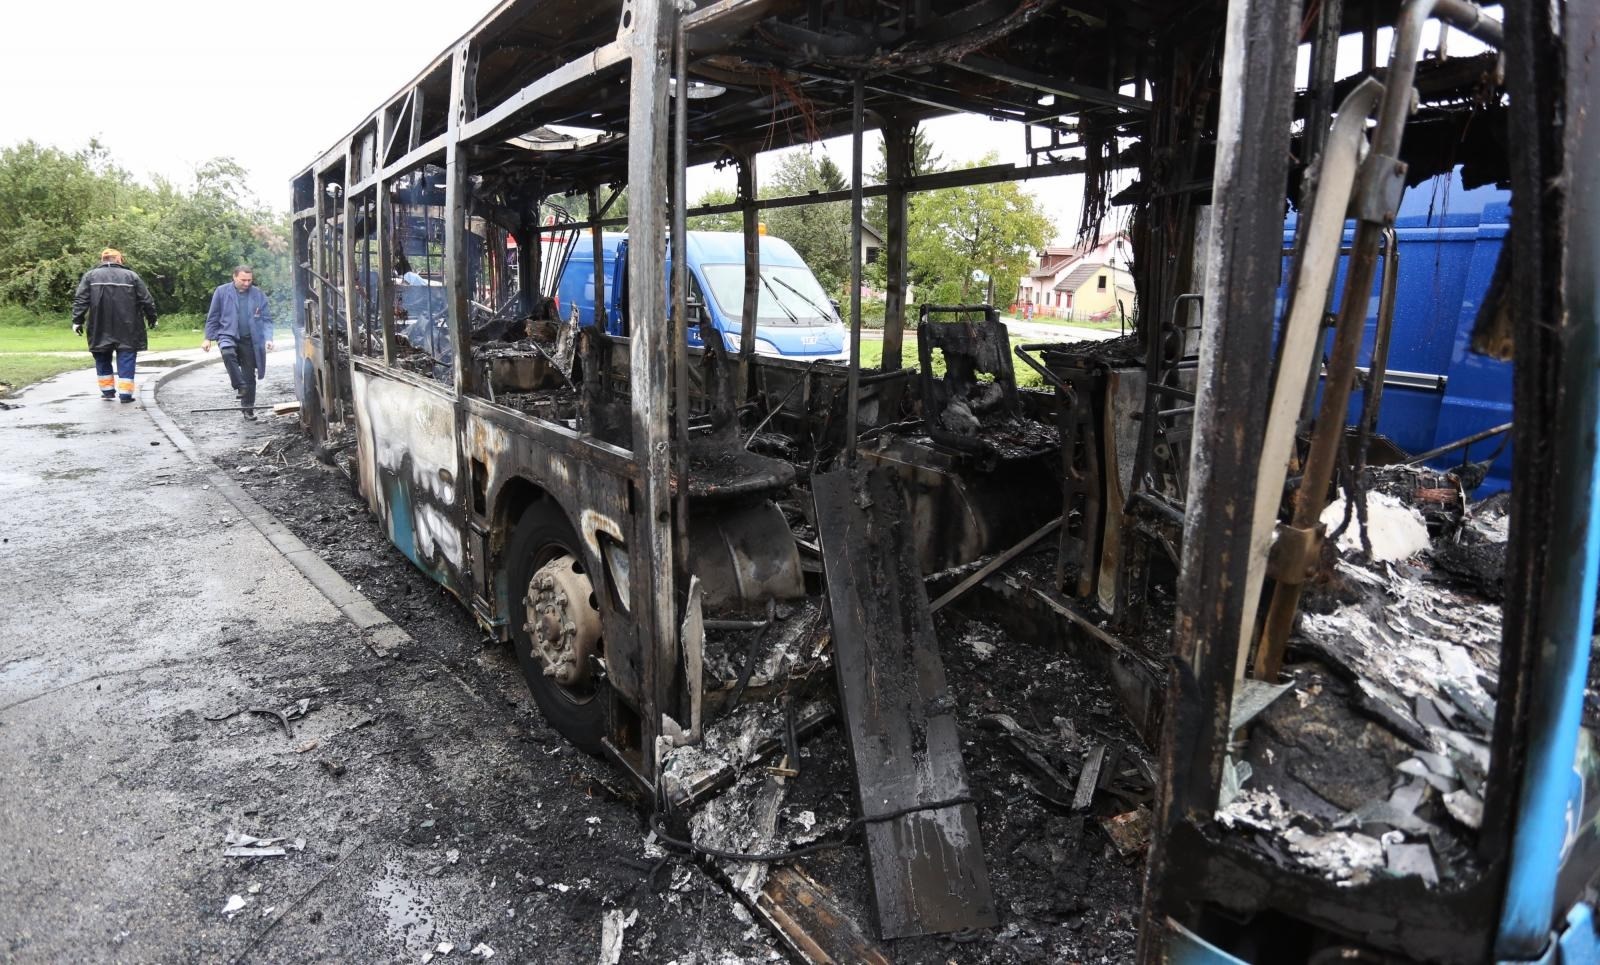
407 915
61 430
79 473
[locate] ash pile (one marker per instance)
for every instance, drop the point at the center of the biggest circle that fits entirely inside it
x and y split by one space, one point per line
1370 758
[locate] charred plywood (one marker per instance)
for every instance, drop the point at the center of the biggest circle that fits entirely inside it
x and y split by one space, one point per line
923 849
811 922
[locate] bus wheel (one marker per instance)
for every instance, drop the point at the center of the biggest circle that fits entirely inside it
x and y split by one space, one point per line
555 624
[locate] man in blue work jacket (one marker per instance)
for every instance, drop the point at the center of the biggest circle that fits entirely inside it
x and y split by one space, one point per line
240 325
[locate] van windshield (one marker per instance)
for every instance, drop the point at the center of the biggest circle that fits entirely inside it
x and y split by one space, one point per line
789 295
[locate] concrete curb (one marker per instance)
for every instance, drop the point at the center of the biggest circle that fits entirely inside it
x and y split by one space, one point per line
383 635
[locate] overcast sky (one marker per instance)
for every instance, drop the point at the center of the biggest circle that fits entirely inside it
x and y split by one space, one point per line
168 85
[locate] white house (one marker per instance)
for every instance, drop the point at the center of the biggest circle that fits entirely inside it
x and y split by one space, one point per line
1079 282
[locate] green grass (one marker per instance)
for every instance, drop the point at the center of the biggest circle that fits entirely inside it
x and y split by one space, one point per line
55 335
15 340
872 357
19 369
25 334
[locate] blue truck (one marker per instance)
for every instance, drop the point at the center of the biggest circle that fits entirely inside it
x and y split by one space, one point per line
795 318
1437 389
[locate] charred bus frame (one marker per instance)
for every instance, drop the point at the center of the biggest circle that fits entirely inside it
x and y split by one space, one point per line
603 492
482 110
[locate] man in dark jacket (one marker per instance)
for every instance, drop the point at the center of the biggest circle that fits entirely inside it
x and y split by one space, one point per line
113 298
240 325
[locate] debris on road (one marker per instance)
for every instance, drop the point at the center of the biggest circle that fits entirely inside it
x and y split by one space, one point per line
249 846
235 905
294 712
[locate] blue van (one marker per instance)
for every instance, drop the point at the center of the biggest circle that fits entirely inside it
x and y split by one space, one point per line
1438 390
795 318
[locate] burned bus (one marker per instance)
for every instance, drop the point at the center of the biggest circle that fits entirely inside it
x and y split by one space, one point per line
1353 693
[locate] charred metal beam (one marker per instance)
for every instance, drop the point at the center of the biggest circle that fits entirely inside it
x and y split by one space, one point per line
752 269
389 127
965 177
1551 77
724 15
852 424
323 265
996 70
531 253
652 552
678 336
414 135
348 257
714 23
457 191
506 113
1324 57
1243 265
597 243
413 159
990 568
386 261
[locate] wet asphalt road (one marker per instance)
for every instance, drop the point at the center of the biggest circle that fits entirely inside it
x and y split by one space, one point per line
434 804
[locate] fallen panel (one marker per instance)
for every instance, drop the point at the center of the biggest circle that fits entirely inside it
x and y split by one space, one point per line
927 866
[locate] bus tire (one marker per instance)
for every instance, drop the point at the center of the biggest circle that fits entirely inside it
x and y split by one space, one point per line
544 543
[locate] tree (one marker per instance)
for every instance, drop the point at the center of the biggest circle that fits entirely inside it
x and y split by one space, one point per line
991 229
195 236
727 221
49 201
59 209
576 206
819 232
924 160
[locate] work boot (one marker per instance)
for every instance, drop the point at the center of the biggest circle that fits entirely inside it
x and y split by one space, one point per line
124 398
249 416
108 395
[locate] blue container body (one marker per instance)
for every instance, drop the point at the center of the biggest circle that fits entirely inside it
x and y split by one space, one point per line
796 318
1449 238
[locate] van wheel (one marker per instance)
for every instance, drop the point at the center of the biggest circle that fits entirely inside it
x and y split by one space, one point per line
555 626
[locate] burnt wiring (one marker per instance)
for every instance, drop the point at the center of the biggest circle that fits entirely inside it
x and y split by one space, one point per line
751 657
1355 496
1096 185
910 55
780 89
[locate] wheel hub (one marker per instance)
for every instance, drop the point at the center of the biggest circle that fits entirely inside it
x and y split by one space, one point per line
562 623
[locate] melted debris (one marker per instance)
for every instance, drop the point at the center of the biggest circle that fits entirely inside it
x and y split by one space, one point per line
1376 763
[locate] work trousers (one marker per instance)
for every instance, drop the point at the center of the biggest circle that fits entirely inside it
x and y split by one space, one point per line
240 361
119 383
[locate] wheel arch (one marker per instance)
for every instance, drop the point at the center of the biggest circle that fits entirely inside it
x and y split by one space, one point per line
512 501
